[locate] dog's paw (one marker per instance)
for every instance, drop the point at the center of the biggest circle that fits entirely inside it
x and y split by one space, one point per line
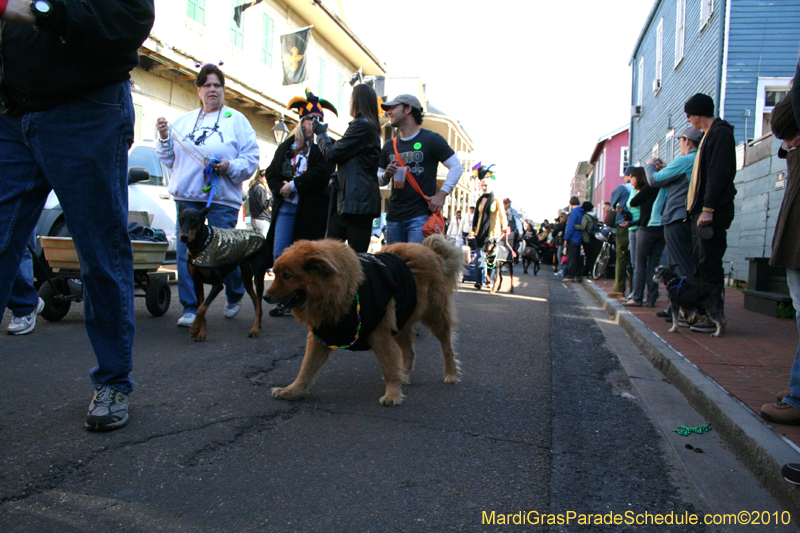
391 399
285 393
452 379
253 333
673 329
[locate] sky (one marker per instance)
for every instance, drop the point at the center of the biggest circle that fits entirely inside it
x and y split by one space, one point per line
535 85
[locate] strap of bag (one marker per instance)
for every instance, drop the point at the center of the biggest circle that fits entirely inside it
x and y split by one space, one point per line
409 176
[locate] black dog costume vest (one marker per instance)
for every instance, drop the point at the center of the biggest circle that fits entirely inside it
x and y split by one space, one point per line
386 276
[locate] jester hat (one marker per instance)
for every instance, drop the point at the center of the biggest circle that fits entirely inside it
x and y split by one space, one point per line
311 104
483 172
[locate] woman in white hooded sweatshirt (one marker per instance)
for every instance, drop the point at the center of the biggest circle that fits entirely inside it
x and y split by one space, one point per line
213 132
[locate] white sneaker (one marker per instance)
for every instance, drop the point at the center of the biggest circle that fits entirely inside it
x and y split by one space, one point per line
186 320
20 325
232 309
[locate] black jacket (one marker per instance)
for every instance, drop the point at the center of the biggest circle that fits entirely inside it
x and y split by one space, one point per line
644 200
259 203
86 45
356 155
311 219
717 168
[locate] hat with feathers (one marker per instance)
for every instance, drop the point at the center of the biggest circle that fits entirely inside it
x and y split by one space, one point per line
483 172
311 104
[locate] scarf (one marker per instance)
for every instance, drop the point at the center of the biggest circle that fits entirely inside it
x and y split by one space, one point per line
480 222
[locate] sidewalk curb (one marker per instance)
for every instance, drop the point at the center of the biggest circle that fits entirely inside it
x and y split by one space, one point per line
755 444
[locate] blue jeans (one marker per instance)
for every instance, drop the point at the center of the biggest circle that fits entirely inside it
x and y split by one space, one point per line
480 266
405 230
649 248
284 227
220 216
80 150
23 299
632 242
793 280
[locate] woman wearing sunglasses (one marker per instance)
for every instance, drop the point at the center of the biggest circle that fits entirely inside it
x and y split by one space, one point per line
221 137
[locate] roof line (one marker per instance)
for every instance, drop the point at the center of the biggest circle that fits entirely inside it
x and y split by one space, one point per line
650 18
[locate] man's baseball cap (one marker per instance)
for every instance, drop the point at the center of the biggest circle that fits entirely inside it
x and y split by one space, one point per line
407 99
691 134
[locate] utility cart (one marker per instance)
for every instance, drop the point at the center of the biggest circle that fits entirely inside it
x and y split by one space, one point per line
58 292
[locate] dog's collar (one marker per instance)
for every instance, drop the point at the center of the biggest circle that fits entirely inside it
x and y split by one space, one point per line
344 346
209 238
676 286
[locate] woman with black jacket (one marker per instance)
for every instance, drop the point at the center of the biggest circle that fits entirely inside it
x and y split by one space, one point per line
358 198
650 241
298 178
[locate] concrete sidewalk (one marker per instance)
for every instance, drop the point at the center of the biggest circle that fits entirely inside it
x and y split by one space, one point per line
726 379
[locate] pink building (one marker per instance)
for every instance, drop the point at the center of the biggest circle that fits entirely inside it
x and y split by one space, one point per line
609 159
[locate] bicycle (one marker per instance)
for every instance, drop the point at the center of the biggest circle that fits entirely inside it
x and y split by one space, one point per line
607 236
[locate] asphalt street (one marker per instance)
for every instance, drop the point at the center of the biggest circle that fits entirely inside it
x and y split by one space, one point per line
538 423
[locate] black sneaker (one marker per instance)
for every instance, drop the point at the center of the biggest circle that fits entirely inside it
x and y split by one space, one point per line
108 410
278 310
791 473
663 314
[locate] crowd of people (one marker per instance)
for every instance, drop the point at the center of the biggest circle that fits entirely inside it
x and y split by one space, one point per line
313 188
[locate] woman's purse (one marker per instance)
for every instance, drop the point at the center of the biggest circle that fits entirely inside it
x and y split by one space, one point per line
435 222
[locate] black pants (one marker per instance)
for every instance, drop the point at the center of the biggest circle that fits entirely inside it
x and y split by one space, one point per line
590 249
707 254
356 237
678 235
573 259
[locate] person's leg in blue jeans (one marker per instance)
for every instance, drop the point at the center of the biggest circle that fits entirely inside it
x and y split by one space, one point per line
793 280
23 299
414 228
80 149
395 231
284 227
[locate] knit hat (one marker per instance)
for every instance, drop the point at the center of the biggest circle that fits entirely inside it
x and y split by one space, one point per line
783 123
700 105
311 104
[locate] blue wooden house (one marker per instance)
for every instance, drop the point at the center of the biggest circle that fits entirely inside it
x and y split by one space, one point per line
742 53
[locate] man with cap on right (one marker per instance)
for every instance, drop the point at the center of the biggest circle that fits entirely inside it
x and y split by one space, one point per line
673 180
421 151
709 201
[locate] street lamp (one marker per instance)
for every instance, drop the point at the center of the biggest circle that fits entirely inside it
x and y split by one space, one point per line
280 131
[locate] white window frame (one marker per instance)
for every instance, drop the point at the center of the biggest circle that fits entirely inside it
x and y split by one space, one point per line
655 150
680 30
601 168
659 55
624 155
669 140
764 84
640 91
706 10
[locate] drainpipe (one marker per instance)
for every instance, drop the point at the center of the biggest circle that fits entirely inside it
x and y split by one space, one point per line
723 62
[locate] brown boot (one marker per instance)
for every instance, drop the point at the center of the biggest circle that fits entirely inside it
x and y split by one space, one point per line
783 393
781 413
616 294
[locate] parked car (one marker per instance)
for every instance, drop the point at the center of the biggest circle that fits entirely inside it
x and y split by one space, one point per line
151 196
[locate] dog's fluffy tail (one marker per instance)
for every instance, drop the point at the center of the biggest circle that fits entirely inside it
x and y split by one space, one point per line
452 262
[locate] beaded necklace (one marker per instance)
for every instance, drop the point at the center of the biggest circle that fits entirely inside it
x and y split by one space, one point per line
346 346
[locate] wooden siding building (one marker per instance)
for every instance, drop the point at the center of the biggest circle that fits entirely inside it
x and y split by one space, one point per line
742 53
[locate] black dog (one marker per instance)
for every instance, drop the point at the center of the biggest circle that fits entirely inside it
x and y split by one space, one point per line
498 255
531 255
213 254
687 296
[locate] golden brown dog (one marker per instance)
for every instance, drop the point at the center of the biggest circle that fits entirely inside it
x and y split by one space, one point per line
320 281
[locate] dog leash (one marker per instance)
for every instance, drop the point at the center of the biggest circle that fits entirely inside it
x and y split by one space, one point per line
210 177
678 286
